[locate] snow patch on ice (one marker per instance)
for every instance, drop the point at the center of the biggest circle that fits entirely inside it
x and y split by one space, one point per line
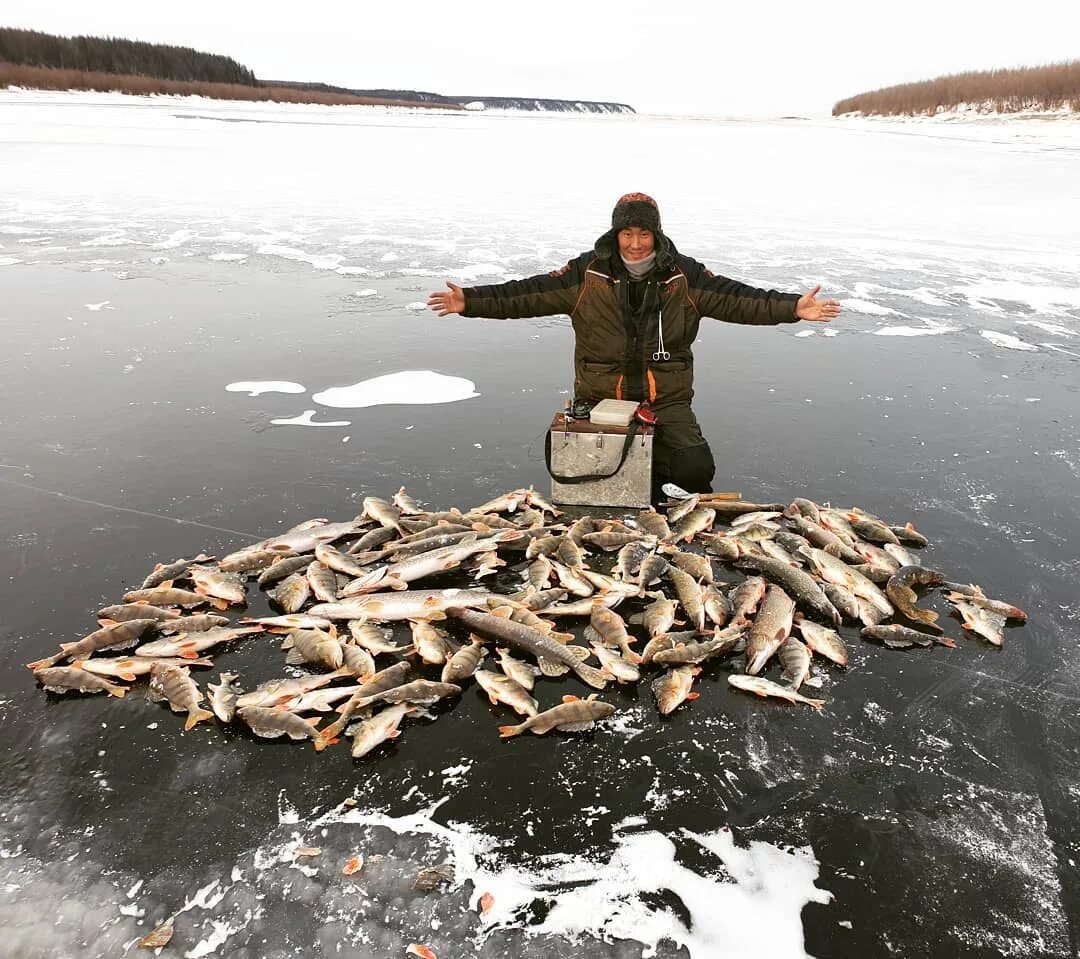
1055 329
929 330
321 261
871 309
228 257
9 260
258 387
407 387
1007 341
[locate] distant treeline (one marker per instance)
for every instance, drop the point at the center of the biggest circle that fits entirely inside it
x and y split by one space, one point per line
1002 91
113 55
44 78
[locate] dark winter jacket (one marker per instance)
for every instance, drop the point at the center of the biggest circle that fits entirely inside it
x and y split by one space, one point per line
617 349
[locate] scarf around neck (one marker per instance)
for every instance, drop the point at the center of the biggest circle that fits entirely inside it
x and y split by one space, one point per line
639 268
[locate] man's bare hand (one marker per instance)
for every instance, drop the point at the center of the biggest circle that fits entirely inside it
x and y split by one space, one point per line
453 302
815 310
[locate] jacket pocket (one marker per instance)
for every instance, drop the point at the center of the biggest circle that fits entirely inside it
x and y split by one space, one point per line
670 382
597 380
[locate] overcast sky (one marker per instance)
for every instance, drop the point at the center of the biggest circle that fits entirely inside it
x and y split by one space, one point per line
780 57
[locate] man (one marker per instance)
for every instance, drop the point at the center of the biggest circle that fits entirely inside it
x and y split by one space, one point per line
635 303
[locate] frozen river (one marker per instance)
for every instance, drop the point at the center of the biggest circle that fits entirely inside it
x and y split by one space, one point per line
154 252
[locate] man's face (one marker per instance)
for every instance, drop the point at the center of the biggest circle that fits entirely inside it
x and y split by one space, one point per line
635 243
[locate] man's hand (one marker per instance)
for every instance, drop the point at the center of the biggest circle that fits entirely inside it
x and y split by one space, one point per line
453 302
815 310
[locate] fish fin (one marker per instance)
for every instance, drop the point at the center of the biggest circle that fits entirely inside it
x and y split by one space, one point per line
195 716
218 603
552 669
945 641
693 695
576 727
591 676
107 622
126 675
507 731
590 635
314 721
119 691
570 699
579 651
45 663
294 658
165 584
393 734
494 699
287 644
187 652
503 612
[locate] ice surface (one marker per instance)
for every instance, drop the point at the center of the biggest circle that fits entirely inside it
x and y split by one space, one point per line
307 419
408 387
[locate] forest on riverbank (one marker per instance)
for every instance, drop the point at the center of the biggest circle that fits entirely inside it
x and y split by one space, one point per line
1049 88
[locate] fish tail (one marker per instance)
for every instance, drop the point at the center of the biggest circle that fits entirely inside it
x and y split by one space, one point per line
118 691
590 675
45 663
194 716
507 731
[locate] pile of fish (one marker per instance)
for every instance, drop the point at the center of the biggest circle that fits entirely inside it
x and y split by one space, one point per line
343 587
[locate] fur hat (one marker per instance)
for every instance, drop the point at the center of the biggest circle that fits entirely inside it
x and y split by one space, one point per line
636 209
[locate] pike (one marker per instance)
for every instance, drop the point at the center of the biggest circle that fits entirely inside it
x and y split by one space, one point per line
572 715
901 594
173 684
771 627
766 687
550 654
798 584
